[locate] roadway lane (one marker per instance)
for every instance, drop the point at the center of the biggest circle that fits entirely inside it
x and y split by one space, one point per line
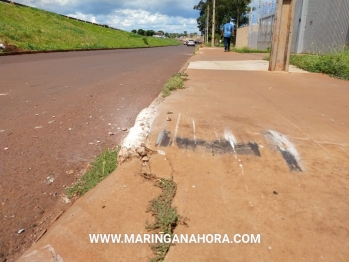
56 112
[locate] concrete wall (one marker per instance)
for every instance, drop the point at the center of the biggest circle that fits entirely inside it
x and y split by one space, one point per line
242 37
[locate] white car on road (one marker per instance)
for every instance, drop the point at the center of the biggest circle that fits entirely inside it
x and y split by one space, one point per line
191 43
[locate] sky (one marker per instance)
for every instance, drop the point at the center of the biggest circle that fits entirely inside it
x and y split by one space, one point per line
172 16
166 15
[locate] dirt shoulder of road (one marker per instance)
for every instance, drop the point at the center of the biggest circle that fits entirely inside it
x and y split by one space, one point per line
252 153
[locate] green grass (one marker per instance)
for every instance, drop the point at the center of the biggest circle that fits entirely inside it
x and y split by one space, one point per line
101 167
33 29
248 50
335 64
166 217
243 49
175 82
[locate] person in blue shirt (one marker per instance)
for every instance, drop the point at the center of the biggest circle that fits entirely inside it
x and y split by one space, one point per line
227 32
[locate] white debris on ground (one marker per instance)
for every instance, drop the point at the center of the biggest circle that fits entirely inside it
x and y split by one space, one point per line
50 180
137 134
2 46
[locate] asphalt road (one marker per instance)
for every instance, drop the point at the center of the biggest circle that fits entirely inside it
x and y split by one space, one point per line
56 112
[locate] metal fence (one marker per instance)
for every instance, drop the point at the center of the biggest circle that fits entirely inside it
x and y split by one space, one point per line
265 32
324 26
320 26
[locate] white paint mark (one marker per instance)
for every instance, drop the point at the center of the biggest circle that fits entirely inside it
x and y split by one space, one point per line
160 137
285 145
54 255
176 129
37 127
344 151
161 152
2 131
242 170
228 135
49 248
4 94
194 131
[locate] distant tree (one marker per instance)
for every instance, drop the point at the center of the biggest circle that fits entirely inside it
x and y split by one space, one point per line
161 32
185 32
150 32
134 31
235 10
167 35
140 32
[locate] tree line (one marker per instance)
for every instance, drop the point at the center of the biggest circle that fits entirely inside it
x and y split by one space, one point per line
234 10
160 32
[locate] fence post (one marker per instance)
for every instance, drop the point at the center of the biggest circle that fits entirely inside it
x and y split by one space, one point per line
282 35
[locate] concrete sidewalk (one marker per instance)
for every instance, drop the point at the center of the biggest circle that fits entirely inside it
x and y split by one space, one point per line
251 151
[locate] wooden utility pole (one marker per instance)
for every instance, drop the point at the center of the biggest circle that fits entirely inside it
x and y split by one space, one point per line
207 22
213 23
282 35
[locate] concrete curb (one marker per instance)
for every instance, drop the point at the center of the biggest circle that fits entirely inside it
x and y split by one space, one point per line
138 134
75 50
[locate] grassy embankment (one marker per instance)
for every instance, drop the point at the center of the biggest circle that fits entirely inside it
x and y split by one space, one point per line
36 30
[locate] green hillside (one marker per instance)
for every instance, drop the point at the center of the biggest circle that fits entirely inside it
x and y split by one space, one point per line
33 29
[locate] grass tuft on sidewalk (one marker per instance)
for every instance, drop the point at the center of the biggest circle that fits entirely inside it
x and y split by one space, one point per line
175 82
32 29
101 167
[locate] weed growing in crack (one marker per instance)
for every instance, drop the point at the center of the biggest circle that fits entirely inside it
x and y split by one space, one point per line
166 216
